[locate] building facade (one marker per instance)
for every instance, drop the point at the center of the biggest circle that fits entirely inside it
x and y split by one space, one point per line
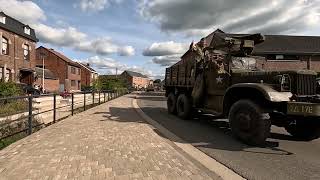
17 55
135 80
67 71
88 75
49 80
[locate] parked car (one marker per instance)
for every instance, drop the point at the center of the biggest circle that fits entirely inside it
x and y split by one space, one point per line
65 94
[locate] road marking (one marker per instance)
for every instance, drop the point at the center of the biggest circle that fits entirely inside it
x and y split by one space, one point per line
207 161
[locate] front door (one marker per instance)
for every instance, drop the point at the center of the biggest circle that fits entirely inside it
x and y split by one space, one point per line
26 77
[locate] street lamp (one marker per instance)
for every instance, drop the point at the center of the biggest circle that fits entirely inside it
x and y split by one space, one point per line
42 56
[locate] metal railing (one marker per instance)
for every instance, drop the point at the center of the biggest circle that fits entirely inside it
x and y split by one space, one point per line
30 101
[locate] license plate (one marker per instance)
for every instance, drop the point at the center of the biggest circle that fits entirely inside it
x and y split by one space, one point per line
303 109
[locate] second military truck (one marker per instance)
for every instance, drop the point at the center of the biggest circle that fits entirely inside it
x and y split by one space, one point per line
227 83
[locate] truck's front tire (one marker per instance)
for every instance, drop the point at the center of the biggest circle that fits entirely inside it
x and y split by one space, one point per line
184 106
248 123
171 103
304 129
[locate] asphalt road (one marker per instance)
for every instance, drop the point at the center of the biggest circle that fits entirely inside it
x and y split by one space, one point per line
283 158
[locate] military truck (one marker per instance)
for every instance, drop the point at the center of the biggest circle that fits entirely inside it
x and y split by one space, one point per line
251 98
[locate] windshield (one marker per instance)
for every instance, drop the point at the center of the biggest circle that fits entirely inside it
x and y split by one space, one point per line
244 63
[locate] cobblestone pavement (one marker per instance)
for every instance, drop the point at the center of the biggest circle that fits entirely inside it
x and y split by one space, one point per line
110 141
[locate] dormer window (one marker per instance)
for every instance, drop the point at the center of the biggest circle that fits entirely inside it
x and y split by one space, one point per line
2 19
27 30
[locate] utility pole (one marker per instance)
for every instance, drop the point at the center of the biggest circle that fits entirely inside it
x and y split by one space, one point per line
42 55
42 75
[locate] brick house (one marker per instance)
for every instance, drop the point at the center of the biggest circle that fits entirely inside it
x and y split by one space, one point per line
67 71
135 80
51 82
88 74
284 52
17 55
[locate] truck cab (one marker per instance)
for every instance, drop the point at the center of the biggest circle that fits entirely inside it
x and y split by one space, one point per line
228 84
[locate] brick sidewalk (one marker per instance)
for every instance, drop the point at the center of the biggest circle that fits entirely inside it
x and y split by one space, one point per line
110 141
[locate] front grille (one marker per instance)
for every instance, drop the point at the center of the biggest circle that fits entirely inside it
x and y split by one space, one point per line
305 84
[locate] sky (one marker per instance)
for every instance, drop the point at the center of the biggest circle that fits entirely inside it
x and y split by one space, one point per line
147 36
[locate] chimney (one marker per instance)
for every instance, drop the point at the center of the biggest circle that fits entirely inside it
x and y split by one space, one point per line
88 64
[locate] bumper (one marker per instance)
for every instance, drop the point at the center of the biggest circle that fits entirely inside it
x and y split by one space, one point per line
303 109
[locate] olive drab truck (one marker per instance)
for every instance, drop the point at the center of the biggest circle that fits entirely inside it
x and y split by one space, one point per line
228 84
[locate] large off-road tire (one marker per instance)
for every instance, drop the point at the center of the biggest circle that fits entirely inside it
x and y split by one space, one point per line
248 123
304 129
172 103
184 106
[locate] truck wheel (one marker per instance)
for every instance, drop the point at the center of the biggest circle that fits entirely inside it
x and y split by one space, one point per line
171 103
184 106
304 129
248 123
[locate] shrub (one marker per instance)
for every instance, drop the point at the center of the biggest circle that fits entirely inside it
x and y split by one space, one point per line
8 89
13 107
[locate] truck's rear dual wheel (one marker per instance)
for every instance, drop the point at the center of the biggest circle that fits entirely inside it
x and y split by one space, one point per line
304 129
248 124
184 106
172 103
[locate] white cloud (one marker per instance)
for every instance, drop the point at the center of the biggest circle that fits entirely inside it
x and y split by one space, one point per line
95 5
104 63
104 46
126 51
60 36
25 11
166 53
166 60
201 18
165 48
109 66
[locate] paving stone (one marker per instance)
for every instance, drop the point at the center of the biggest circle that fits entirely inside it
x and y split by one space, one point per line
110 141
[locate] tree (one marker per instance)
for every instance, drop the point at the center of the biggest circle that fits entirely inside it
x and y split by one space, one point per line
107 83
157 81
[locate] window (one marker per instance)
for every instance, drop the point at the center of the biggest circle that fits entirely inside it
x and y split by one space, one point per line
3 19
27 30
5 75
73 70
73 83
79 84
8 73
280 57
243 63
5 46
26 52
79 70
